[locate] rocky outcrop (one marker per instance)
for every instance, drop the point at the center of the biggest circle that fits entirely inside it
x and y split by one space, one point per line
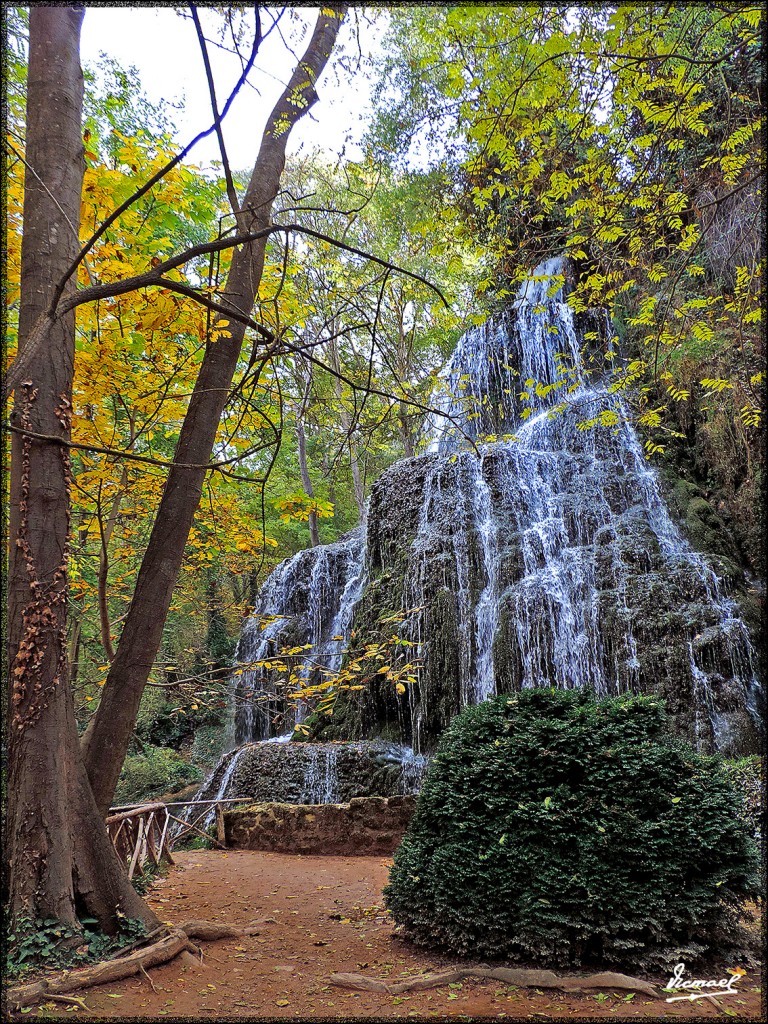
315 773
585 581
364 827
530 546
546 558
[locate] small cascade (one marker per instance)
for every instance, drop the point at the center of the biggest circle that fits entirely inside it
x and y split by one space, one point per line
215 787
311 773
412 770
305 605
321 778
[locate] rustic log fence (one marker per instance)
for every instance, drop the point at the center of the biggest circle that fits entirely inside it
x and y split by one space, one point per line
140 834
143 832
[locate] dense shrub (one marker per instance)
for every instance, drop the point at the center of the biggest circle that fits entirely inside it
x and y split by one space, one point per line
747 774
555 827
155 771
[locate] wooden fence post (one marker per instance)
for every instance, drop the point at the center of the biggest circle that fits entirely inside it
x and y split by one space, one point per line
220 831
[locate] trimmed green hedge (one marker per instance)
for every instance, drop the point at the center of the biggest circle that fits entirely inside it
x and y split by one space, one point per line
555 827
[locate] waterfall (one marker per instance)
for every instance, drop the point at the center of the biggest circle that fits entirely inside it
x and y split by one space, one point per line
542 551
215 787
529 545
304 607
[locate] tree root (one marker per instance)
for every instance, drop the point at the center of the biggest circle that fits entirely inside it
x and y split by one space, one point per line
511 976
178 940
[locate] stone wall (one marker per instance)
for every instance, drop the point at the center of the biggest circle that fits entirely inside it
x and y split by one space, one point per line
364 826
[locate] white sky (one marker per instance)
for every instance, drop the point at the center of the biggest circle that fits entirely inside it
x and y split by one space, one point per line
163 47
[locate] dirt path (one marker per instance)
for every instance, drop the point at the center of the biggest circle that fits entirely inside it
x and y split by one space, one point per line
327 916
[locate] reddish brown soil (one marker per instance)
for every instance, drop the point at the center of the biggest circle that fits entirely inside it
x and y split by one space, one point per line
327 916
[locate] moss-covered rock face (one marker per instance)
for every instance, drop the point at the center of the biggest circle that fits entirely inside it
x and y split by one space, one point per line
566 565
555 828
315 773
544 555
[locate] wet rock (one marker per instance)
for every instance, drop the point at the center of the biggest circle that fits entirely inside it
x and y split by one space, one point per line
546 557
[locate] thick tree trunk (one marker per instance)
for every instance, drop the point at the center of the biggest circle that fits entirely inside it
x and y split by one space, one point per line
107 737
61 862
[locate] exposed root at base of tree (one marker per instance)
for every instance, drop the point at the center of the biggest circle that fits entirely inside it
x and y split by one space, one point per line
509 975
177 940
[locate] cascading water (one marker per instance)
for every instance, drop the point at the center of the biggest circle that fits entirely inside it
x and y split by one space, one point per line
544 554
306 606
321 778
524 548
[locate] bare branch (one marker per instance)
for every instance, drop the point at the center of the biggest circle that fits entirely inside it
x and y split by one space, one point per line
116 453
231 191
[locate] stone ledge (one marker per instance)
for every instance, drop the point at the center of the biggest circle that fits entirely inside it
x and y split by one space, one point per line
365 826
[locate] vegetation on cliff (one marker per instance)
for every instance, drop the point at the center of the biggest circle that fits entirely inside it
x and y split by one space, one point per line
170 444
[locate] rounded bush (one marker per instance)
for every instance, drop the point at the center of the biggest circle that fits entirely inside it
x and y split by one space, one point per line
554 826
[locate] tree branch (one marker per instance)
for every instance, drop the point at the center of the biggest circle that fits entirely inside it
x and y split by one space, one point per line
231 191
155 278
116 453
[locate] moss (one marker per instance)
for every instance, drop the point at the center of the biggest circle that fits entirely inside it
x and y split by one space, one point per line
344 723
506 656
157 770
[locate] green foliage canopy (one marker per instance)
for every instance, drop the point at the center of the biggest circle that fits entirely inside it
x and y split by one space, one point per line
627 137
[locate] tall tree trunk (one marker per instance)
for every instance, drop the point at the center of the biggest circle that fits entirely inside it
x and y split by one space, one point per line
306 482
61 862
358 484
301 438
106 739
106 529
403 367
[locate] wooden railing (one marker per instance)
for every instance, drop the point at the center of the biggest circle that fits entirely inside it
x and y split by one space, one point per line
141 832
195 824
